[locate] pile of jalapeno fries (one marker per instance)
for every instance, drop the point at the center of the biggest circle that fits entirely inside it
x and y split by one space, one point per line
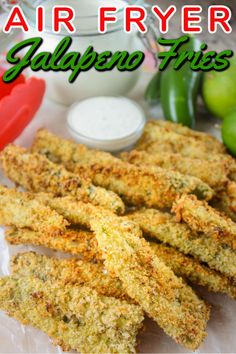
141 228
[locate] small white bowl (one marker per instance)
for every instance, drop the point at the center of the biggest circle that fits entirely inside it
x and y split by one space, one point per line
106 123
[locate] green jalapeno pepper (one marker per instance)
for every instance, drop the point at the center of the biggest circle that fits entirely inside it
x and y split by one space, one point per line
179 88
153 90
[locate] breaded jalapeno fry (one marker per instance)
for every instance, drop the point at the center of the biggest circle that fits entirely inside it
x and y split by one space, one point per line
165 228
23 210
75 317
71 208
194 271
68 271
148 281
209 141
201 217
36 173
154 223
137 186
159 138
145 278
93 273
76 242
226 201
173 142
214 173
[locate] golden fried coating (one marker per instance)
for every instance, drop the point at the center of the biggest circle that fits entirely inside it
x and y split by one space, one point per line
233 170
71 208
69 271
172 142
77 212
81 243
22 210
211 143
208 249
161 147
137 186
94 275
214 173
160 139
193 271
147 280
226 201
36 173
90 270
203 218
154 223
76 317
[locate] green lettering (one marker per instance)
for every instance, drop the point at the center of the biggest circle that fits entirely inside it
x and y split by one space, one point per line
133 61
118 59
86 62
182 59
41 62
175 44
221 63
206 59
101 60
59 52
69 61
20 64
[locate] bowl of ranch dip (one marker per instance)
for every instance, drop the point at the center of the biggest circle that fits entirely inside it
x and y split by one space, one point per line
106 123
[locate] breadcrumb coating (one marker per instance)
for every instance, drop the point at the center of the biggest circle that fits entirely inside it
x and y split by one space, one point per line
157 138
214 173
165 228
36 173
193 271
226 201
147 280
75 317
85 246
170 141
201 217
69 271
21 210
137 186
71 208
77 242
163 290
211 143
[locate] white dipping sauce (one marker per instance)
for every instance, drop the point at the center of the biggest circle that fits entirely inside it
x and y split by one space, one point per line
106 123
